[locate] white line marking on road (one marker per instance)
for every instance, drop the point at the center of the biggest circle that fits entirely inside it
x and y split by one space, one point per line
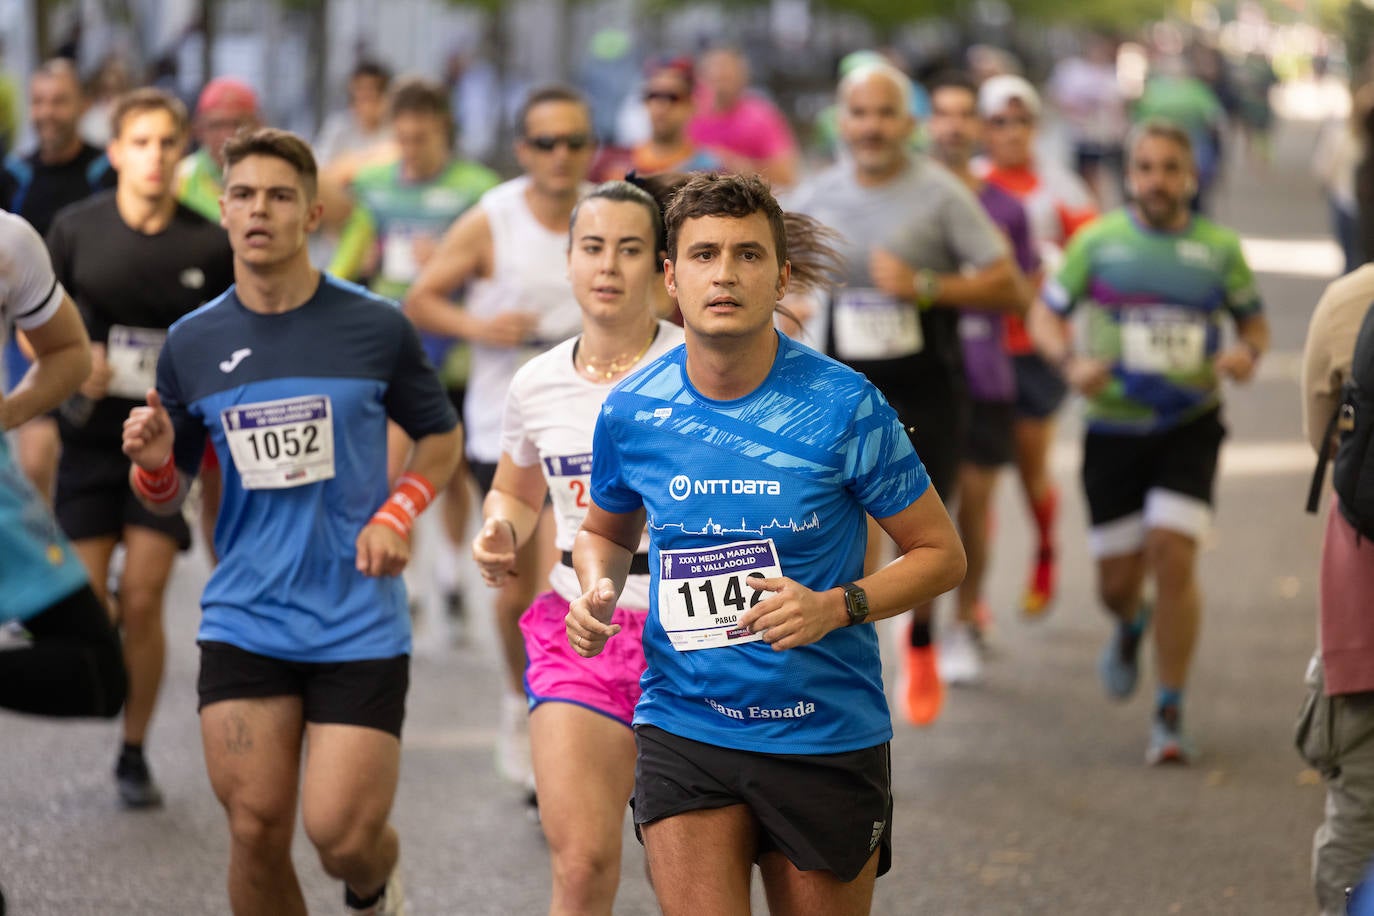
1239 459
1319 258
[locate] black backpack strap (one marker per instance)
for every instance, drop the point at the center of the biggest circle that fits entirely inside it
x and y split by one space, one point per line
1314 493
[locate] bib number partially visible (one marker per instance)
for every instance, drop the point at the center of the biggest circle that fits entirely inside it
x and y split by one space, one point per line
399 263
132 354
1160 340
569 478
702 593
280 444
870 324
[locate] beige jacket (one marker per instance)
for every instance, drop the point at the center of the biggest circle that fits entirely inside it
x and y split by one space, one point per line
1330 347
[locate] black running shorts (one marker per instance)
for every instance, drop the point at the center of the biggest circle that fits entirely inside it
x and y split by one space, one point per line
989 442
94 500
821 811
370 693
1039 388
1119 470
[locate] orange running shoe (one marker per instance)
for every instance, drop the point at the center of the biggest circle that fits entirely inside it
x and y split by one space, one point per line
920 693
1040 590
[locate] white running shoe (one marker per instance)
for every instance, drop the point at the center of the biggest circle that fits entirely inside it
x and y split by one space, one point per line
513 743
393 902
959 660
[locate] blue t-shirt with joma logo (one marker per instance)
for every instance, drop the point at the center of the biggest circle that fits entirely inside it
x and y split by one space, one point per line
296 406
775 483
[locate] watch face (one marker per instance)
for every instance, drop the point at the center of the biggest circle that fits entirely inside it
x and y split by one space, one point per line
856 602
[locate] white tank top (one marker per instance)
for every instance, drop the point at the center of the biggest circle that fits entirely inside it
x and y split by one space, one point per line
529 273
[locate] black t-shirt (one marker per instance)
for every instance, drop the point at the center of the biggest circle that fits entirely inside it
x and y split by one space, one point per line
37 191
120 277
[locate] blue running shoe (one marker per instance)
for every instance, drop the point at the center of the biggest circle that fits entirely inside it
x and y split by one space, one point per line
1119 663
1168 743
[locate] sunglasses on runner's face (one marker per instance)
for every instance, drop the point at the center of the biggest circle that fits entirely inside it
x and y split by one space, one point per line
547 143
1001 121
672 98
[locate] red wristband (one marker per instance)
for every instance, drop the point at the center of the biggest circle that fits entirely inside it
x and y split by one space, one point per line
159 486
412 495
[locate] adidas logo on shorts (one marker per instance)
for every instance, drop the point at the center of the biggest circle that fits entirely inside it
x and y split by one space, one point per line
877 834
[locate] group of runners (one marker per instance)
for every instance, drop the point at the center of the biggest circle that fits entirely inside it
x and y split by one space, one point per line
720 510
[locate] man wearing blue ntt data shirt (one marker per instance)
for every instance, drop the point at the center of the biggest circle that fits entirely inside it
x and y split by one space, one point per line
763 729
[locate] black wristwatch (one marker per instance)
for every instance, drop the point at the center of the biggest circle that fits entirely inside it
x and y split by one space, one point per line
855 603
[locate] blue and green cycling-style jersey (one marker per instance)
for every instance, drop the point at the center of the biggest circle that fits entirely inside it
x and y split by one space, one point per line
1154 305
296 406
778 482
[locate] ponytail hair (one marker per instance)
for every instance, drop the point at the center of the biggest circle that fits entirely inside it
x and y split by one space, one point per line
816 263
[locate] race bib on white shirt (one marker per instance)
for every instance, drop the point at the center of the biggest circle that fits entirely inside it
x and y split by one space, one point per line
569 479
280 444
870 324
1160 339
703 592
132 354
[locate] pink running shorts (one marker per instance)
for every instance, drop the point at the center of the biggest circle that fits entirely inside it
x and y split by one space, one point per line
608 683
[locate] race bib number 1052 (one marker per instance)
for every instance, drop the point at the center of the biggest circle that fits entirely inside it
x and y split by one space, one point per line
703 592
280 444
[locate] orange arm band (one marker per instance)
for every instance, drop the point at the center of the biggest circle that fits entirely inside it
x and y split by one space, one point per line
412 495
160 486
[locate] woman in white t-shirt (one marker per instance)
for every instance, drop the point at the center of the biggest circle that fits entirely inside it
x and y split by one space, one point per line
581 709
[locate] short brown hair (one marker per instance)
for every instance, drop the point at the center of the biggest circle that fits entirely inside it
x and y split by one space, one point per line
415 95
138 101
732 196
279 144
1163 129
540 95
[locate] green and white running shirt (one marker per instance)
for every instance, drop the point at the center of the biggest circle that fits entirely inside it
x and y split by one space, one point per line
399 215
1154 304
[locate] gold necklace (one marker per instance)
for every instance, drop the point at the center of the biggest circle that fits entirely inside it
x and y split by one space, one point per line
613 367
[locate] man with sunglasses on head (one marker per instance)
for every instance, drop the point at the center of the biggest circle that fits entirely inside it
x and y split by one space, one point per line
509 252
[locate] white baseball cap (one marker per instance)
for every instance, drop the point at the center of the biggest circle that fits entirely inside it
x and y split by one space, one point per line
999 91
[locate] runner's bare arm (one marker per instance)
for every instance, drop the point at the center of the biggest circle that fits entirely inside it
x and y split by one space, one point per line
381 549
510 513
931 562
1240 360
62 360
998 286
148 441
464 254
602 553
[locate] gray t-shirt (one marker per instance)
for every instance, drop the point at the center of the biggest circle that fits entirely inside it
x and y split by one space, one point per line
929 219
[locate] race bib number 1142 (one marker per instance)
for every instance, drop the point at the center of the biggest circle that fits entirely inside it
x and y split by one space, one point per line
703 592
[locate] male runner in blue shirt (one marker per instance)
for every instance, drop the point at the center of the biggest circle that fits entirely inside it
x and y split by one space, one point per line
763 729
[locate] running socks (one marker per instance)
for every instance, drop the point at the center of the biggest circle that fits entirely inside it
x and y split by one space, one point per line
353 901
1169 705
1040 589
1045 511
922 634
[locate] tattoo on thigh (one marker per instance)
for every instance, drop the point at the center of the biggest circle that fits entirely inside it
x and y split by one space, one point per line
237 738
